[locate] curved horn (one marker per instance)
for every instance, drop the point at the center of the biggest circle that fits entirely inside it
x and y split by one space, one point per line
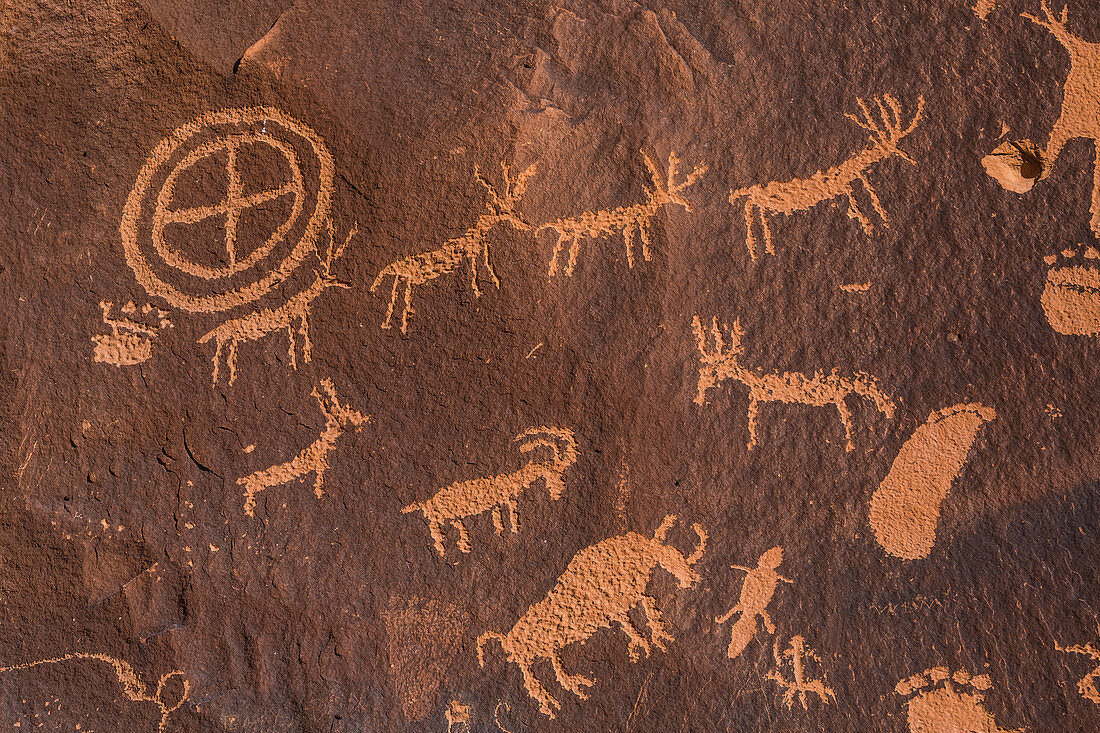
701 547
566 442
666 524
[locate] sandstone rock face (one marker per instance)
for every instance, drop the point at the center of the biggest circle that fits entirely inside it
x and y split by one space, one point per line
594 365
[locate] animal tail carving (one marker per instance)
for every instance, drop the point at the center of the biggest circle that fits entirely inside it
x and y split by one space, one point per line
482 640
866 386
412 508
743 631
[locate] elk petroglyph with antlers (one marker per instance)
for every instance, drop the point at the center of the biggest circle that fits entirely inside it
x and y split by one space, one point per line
802 194
599 587
470 247
630 220
463 499
816 390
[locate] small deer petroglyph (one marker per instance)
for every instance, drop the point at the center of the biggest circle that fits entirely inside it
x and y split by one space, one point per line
816 390
129 342
801 194
474 244
463 499
756 593
1087 684
255 326
630 220
601 584
313 458
1080 115
798 653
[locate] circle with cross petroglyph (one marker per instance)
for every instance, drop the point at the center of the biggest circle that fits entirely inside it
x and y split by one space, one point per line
170 213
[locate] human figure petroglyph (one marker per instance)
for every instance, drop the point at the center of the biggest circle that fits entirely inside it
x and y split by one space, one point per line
129 342
631 221
757 592
801 194
132 686
816 390
470 247
940 704
800 683
255 326
1087 684
314 458
464 499
599 587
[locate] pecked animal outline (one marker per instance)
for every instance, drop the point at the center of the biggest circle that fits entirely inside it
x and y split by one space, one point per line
801 194
462 499
314 457
255 326
601 584
629 220
1086 686
757 592
816 390
421 268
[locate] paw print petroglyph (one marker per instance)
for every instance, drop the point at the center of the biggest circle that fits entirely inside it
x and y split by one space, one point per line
939 702
1071 295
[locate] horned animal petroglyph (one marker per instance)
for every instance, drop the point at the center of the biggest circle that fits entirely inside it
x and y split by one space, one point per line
313 458
1087 684
816 390
463 499
801 194
630 220
255 326
474 244
756 593
599 587
799 684
132 686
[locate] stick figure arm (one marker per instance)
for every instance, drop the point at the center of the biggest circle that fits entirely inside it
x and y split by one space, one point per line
785 580
726 617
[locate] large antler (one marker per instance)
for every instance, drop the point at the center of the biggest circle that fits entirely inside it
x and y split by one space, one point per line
890 132
1051 23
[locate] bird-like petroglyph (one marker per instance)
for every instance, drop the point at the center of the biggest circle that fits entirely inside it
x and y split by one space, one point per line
939 703
313 458
757 592
632 221
1087 684
800 683
599 587
500 208
130 341
802 194
817 389
463 499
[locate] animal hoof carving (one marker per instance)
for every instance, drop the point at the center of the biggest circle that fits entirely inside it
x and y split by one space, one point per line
1071 296
940 703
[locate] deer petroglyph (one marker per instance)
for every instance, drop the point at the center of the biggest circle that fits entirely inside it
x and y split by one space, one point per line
470 247
756 593
314 458
129 341
816 390
799 684
633 220
462 499
786 197
601 584
939 706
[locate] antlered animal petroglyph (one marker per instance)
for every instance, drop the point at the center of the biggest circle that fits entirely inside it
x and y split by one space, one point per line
471 246
599 587
633 220
799 684
129 342
255 326
314 458
463 499
939 707
756 593
906 506
816 390
1087 684
786 197
1071 295
131 684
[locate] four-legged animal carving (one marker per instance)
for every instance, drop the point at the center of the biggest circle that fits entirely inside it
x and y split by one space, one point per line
817 390
756 593
801 194
313 458
799 684
629 220
462 499
471 246
255 326
601 584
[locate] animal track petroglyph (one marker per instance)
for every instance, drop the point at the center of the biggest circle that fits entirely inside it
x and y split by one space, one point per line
802 194
816 390
1071 295
132 686
601 584
129 342
631 221
463 499
756 593
938 705
906 506
470 247
314 458
800 684
1087 684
